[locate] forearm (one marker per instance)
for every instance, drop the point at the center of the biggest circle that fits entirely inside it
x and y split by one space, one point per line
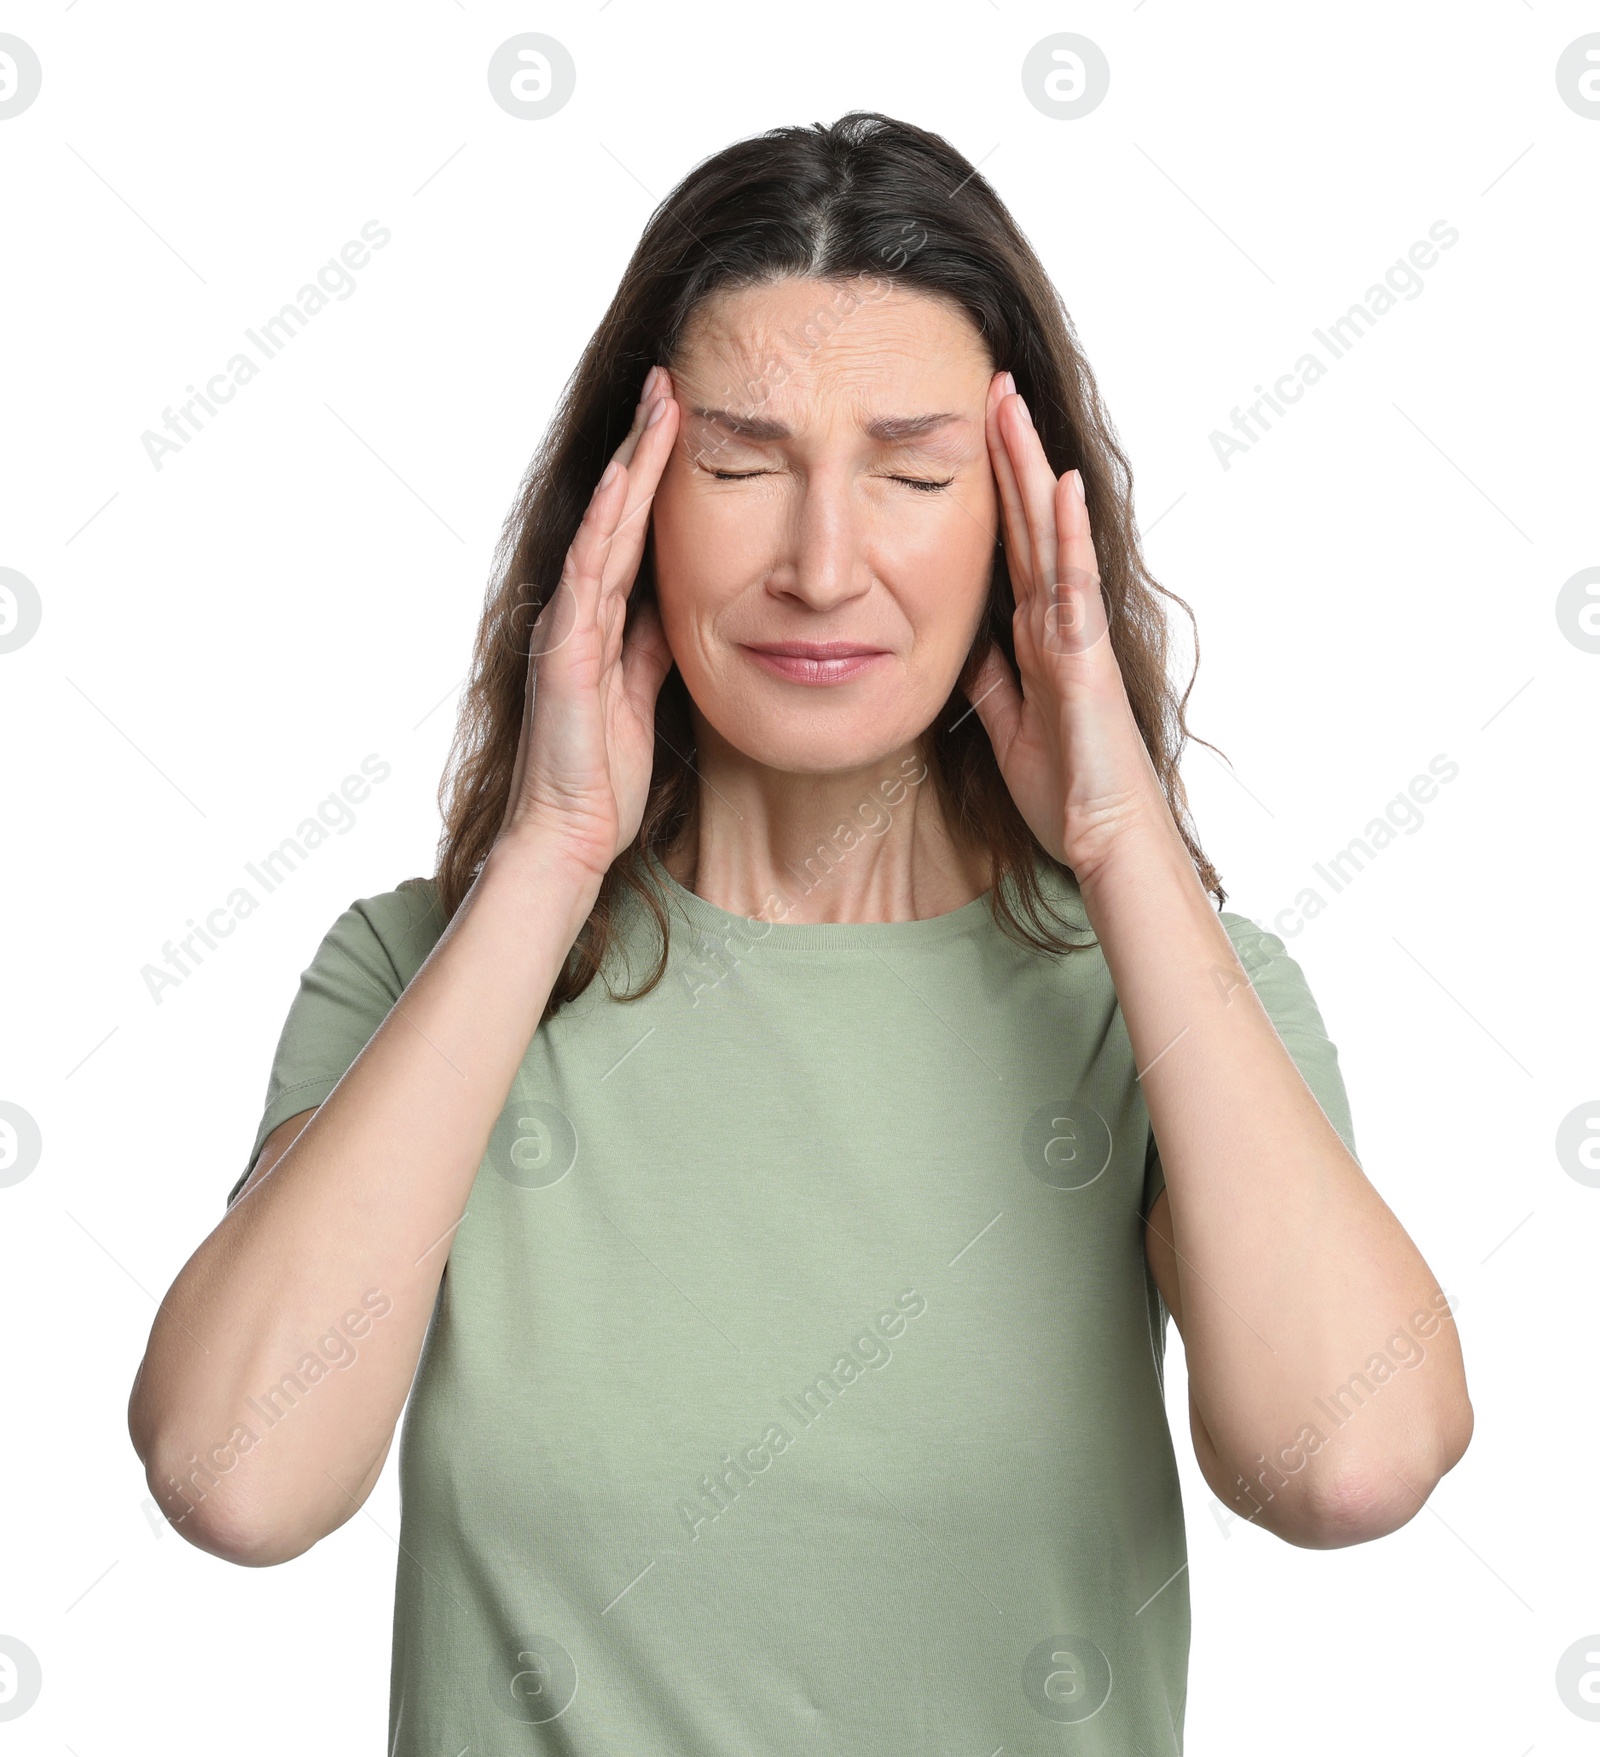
361 1207
1293 1272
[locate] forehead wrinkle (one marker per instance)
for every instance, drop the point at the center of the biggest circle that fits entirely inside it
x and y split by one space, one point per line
868 376
848 360
764 419
740 347
939 433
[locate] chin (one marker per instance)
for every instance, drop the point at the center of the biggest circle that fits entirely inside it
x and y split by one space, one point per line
819 738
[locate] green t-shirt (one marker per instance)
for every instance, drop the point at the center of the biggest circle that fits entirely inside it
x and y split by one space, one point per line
795 1381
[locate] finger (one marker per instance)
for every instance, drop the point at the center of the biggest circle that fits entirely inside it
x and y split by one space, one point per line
1033 585
573 604
1079 619
1019 561
1076 546
655 383
997 700
1036 483
646 660
1018 545
603 558
575 601
658 385
645 454
641 412
1065 615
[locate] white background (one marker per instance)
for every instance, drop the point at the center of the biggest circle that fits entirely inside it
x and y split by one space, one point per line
224 639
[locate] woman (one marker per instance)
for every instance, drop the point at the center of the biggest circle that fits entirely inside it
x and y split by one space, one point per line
819 1062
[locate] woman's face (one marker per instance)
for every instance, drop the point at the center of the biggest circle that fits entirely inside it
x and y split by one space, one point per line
830 487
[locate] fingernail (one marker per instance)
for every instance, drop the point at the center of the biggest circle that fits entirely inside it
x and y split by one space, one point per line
649 383
657 412
1024 408
1077 482
1011 386
610 475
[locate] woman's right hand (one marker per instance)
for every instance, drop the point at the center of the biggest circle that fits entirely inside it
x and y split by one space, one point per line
587 748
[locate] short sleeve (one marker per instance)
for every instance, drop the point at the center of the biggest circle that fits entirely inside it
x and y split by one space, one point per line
360 970
1281 985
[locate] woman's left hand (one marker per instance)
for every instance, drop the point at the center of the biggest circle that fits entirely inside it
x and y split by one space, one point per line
1068 746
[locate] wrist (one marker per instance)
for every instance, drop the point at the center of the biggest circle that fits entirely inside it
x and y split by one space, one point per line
536 862
1149 848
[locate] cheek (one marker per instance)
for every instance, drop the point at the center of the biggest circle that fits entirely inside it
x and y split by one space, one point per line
674 536
945 566
698 555
954 544
698 535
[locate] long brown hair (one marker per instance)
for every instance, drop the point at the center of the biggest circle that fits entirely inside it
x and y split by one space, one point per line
866 196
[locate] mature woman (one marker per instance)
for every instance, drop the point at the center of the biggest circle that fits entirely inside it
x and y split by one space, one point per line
777 1136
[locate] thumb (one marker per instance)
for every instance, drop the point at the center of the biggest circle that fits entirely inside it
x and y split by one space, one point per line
996 698
646 658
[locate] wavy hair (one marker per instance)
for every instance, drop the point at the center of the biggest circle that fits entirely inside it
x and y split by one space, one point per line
866 196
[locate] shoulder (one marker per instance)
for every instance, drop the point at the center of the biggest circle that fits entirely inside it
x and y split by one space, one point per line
1284 992
1264 954
1278 979
401 926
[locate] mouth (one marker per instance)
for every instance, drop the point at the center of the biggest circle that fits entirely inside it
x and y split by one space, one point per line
815 661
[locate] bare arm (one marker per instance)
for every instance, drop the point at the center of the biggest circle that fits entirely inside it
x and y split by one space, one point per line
347 1229
342 1234
1301 1299
1327 1394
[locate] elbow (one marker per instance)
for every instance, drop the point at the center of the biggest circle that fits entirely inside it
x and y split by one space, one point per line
214 1514
1358 1507
1362 1501
202 1493
223 1529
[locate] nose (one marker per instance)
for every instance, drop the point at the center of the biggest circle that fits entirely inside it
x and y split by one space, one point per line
828 540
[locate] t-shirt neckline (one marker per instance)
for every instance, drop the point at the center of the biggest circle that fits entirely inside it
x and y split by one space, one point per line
819 936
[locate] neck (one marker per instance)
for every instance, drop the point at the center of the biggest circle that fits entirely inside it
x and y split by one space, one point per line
860 845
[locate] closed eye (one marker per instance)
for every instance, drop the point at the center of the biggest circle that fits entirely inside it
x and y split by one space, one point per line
923 485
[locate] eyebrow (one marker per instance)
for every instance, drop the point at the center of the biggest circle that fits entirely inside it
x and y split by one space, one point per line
890 429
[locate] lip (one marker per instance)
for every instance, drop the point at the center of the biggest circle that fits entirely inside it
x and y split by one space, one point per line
815 662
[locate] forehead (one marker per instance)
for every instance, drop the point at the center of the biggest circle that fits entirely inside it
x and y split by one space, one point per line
860 336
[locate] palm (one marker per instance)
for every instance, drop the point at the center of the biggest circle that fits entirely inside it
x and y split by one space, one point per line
583 769
1062 729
